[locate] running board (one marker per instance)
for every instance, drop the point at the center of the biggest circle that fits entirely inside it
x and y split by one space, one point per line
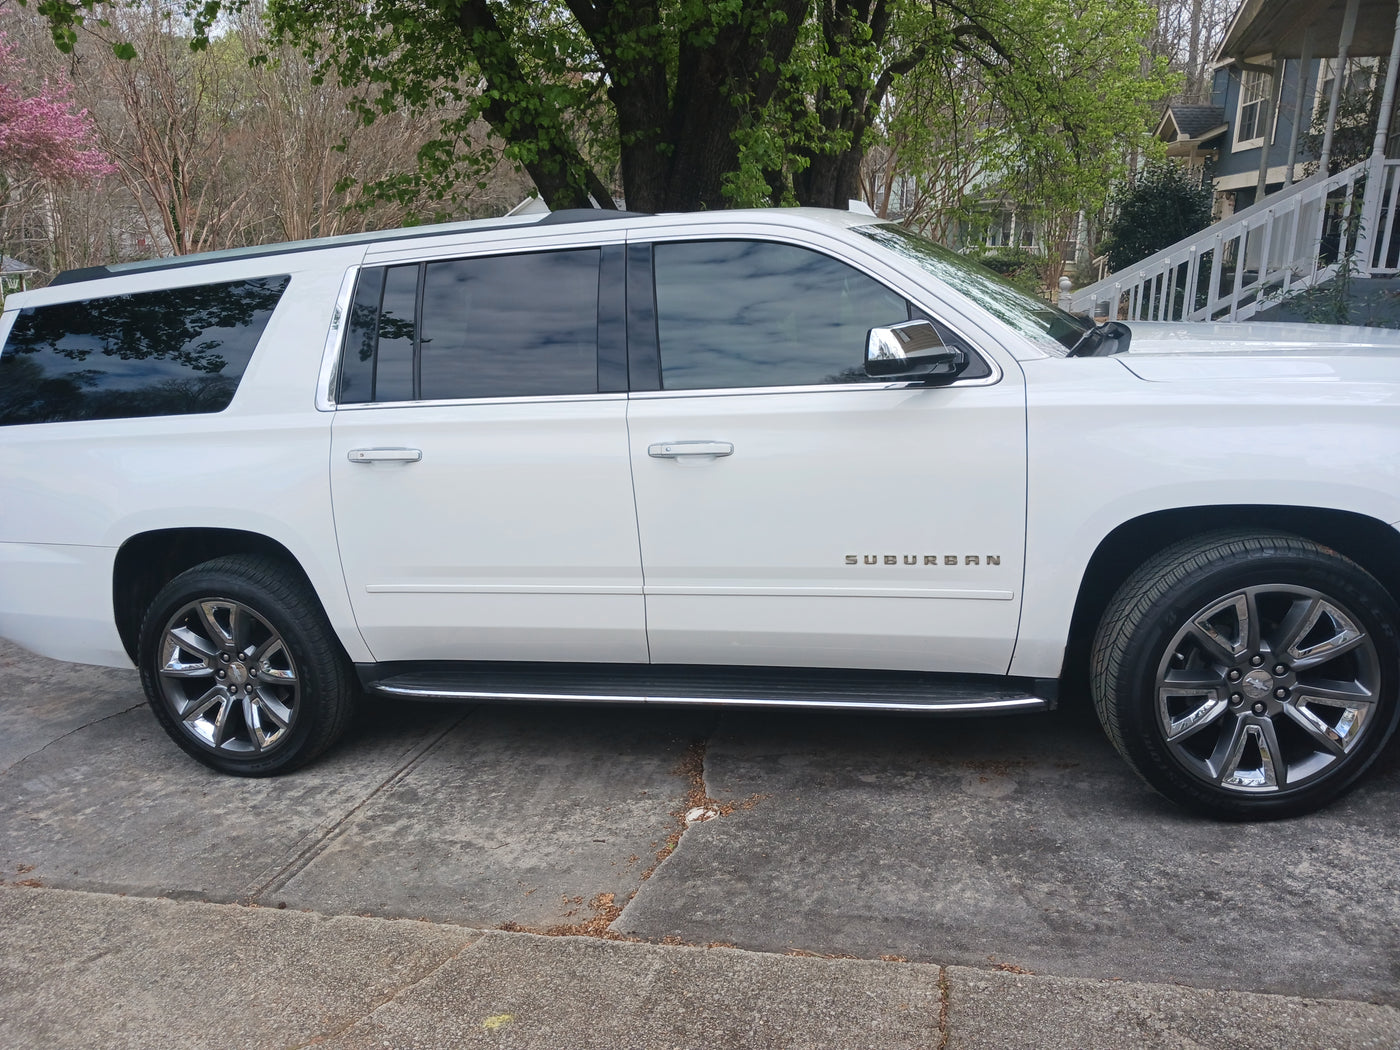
746 686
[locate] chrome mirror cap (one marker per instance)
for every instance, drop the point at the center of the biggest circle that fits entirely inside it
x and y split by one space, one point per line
912 348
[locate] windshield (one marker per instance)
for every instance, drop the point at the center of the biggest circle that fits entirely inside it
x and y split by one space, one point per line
1046 325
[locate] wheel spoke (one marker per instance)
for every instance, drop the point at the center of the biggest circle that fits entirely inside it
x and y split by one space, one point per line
1192 681
272 708
187 638
269 673
218 729
1354 704
195 709
1301 616
1235 746
1228 646
1210 708
253 719
1343 637
174 667
208 613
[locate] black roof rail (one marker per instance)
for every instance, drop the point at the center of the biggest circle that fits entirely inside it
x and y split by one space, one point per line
175 262
563 215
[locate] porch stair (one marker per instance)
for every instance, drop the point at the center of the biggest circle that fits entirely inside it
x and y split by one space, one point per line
1287 242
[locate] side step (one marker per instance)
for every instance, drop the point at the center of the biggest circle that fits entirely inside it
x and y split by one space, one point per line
686 684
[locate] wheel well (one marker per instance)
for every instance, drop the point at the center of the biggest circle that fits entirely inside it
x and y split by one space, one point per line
147 562
1372 544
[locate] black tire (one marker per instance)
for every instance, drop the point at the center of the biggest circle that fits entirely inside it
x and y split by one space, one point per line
1249 676
242 668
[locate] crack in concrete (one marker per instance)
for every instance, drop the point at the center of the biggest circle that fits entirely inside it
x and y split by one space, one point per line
302 860
393 995
945 998
71 732
692 767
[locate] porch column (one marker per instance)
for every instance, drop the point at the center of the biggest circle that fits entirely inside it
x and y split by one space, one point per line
1270 108
1375 170
1299 99
1343 49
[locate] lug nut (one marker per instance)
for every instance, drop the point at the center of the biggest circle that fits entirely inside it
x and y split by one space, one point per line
1259 708
1234 675
1280 669
221 673
1256 660
1236 699
1281 693
224 657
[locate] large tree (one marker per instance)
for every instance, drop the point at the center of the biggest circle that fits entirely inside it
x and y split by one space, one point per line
687 103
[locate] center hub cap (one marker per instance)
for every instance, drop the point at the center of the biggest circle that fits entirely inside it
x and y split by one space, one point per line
1258 684
238 674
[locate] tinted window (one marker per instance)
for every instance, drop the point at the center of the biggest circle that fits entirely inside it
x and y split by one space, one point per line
168 352
398 319
507 326
749 313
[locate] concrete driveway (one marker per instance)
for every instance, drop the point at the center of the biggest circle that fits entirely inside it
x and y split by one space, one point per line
1018 848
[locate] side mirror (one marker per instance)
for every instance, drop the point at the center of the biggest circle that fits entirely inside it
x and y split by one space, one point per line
912 350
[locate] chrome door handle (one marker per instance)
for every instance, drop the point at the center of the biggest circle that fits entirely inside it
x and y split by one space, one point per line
676 449
385 455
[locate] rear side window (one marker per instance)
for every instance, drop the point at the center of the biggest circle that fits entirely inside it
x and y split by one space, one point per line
507 326
170 352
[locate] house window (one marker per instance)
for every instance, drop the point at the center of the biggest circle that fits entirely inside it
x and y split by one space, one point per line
1360 80
1254 93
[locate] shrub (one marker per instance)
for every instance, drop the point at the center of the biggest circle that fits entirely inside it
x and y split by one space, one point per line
1166 204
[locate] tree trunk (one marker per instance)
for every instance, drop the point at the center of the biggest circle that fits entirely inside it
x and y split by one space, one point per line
529 120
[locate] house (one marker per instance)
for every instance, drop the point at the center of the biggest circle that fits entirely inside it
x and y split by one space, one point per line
1285 224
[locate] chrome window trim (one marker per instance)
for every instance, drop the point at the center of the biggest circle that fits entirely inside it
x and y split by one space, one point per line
542 399
335 338
817 388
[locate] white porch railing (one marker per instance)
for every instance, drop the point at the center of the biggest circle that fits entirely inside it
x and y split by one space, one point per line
1290 240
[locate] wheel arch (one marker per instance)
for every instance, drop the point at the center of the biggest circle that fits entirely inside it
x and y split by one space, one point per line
148 561
1369 542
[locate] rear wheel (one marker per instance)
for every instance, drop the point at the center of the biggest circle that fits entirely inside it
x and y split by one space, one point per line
1249 676
242 668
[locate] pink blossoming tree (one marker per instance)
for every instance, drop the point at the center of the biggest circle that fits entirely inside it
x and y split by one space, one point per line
41 135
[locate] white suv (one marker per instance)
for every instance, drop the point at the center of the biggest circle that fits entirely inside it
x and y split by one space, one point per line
771 457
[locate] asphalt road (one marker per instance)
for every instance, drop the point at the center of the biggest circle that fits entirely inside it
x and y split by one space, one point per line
1013 844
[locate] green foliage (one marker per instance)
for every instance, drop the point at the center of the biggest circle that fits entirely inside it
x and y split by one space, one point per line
1167 203
1020 267
708 103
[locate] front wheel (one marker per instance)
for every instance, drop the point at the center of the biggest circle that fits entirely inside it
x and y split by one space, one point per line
242 668
1249 676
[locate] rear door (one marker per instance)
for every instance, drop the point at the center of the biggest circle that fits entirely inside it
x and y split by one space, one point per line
479 467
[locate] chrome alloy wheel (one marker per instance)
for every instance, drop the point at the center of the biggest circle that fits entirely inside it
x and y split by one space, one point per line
1266 688
228 677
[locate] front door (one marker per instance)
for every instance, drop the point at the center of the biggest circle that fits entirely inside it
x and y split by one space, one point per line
793 513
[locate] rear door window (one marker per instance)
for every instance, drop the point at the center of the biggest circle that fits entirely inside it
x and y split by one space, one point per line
521 325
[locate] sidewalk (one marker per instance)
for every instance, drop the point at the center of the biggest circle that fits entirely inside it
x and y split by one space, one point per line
87 970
